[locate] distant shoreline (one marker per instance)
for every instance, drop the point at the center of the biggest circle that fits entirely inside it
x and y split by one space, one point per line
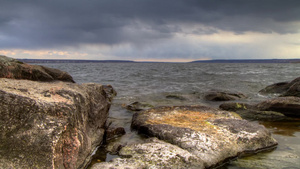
129 61
249 61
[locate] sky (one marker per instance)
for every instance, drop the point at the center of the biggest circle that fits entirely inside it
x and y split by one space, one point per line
150 30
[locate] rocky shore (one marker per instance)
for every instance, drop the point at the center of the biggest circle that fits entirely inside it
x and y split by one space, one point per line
49 121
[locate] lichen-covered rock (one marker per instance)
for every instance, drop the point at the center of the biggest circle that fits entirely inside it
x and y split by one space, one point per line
223 96
284 88
153 153
235 106
211 135
50 125
289 106
14 69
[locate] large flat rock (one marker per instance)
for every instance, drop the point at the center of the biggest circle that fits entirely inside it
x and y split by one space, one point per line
51 125
204 137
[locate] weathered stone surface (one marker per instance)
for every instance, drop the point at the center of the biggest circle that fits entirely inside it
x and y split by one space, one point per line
14 69
153 153
289 106
294 90
50 125
235 106
284 88
223 96
138 106
250 112
280 87
208 134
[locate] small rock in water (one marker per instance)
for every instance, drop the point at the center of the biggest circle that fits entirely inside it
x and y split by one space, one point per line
176 97
114 132
284 88
138 106
223 96
114 147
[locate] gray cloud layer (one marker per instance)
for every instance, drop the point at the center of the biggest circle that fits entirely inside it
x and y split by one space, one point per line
31 24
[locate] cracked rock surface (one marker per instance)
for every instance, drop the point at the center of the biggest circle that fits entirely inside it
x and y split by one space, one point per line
193 137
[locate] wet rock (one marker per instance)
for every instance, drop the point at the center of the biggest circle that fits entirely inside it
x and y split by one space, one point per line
176 97
235 106
14 69
262 115
250 112
289 106
138 106
50 125
280 87
208 134
114 132
284 88
223 96
114 147
294 90
110 92
153 153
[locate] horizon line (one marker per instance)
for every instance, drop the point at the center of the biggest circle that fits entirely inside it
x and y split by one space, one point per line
154 61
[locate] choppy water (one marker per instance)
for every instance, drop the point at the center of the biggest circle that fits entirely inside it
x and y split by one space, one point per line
152 82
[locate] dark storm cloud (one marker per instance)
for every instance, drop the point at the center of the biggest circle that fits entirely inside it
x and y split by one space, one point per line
45 24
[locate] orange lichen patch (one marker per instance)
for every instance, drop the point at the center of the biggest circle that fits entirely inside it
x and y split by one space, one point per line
186 119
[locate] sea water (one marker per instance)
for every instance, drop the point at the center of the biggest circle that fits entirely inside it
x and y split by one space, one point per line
152 82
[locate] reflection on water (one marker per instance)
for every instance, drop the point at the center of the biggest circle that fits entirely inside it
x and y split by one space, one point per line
284 128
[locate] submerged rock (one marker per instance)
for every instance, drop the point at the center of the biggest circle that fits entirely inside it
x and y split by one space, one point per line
284 88
14 69
176 97
138 106
196 137
223 96
50 125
